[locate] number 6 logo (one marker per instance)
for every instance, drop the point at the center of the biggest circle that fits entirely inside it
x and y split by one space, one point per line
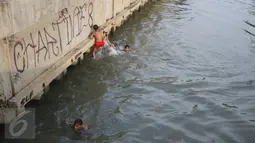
16 122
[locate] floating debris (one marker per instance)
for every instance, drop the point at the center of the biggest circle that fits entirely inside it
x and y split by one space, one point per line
117 110
229 106
252 120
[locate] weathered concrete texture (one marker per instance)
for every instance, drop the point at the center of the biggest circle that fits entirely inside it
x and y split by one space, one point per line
39 39
5 81
35 48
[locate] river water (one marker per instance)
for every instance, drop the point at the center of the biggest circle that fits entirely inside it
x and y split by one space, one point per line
191 81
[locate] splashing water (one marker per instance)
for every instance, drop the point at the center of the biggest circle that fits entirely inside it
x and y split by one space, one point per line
109 51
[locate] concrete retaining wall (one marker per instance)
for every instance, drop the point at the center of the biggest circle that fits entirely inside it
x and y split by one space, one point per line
39 39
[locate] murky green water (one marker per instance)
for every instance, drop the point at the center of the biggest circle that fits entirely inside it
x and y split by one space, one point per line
192 81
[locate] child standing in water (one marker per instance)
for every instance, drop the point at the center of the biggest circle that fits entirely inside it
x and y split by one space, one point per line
99 41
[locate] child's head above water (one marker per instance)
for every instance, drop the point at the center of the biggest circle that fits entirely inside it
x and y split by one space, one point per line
95 27
126 48
77 124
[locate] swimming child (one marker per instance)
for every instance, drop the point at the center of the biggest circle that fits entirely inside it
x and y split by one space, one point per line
81 128
127 49
99 41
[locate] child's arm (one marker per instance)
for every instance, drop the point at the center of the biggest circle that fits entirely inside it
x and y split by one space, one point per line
91 36
129 50
85 126
107 40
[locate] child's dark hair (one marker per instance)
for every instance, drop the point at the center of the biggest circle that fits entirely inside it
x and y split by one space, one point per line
95 27
127 46
77 121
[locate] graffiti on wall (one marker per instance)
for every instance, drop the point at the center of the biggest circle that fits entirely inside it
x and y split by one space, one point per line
48 42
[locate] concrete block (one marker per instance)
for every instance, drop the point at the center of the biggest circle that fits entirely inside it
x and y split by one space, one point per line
64 72
109 12
133 1
126 3
39 95
75 63
118 6
5 80
59 77
7 114
100 11
81 58
6 17
45 90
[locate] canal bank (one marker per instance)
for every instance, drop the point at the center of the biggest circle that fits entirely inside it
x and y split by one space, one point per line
40 40
191 81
